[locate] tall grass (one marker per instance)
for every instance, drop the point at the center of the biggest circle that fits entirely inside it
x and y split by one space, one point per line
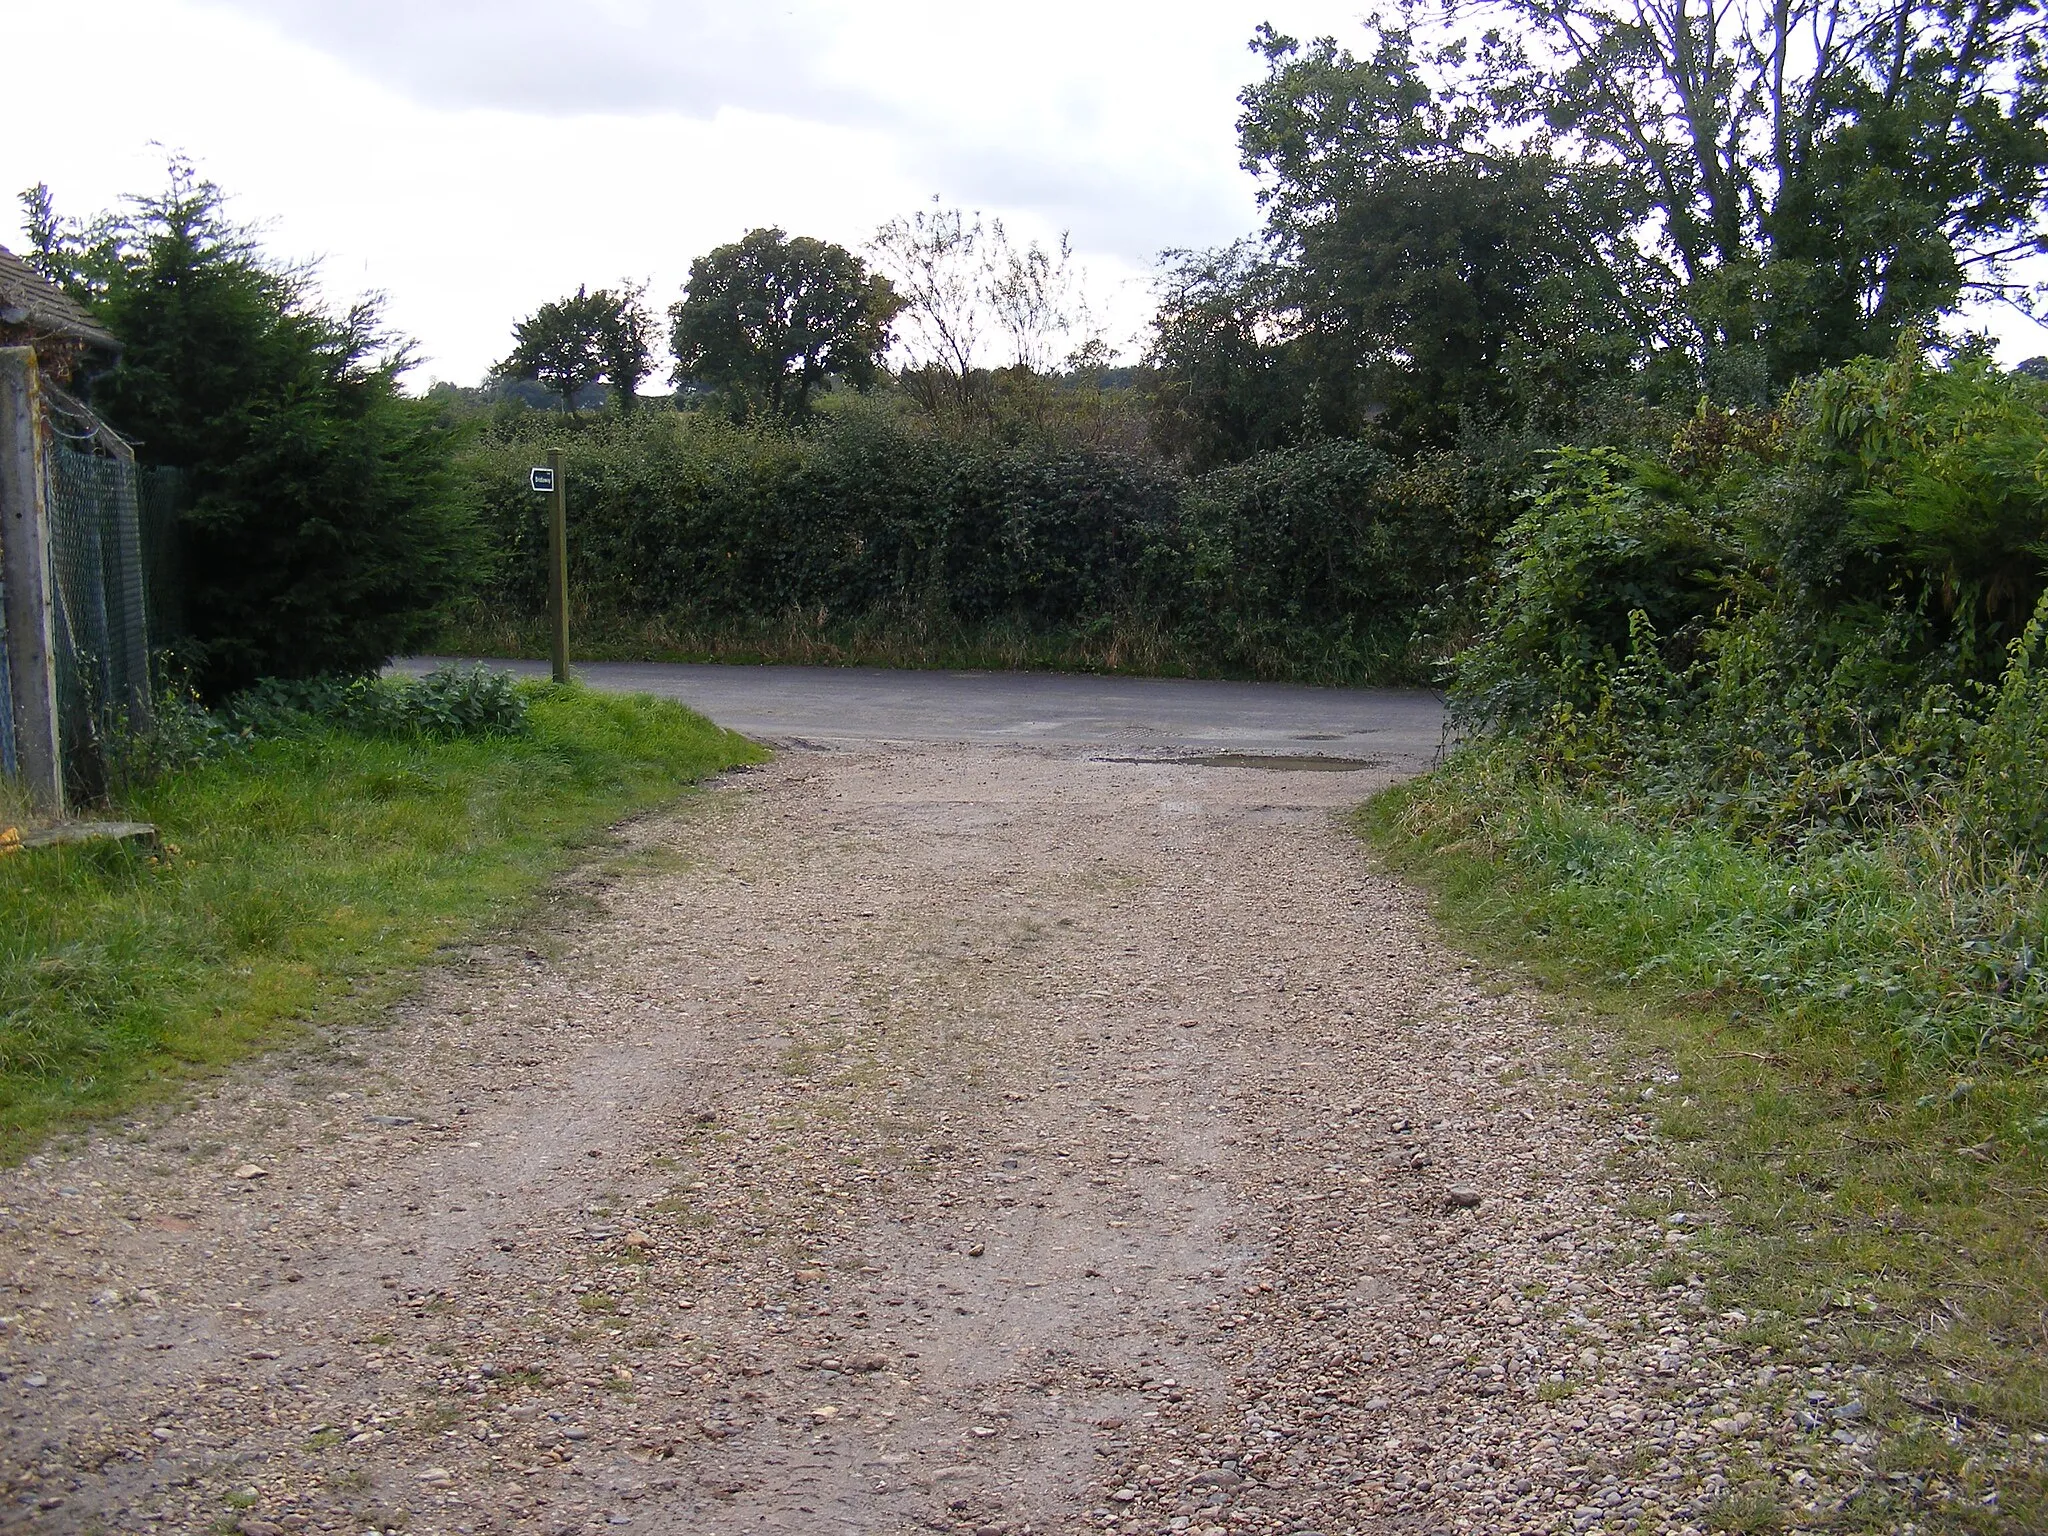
295 870
1911 937
1859 1078
1121 644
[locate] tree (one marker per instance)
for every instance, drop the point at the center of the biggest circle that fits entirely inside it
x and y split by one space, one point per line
962 280
625 343
1817 175
1426 273
602 336
1228 388
769 319
562 345
323 532
1413 276
938 262
1039 298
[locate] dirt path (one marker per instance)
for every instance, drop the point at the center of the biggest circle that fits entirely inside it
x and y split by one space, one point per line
966 1140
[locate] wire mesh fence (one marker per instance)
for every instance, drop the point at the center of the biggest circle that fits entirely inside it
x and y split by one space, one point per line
107 529
99 615
113 588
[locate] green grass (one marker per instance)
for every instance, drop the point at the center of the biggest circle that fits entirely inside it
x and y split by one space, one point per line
1121 646
1884 1189
301 877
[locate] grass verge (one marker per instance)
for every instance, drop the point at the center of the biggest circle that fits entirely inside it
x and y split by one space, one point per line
1120 646
1879 1208
301 876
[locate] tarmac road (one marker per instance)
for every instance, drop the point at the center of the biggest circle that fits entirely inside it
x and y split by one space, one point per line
1397 729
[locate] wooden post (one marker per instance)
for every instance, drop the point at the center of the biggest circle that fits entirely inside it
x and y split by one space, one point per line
25 568
558 569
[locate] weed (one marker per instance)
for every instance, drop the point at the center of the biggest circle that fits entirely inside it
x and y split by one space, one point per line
1748 1511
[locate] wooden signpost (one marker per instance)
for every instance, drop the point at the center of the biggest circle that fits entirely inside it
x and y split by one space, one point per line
552 483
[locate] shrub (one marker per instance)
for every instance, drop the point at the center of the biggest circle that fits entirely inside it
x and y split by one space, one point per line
1803 624
1326 555
1906 485
1605 536
447 703
2004 791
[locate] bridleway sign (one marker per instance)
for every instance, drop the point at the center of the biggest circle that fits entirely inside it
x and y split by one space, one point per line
542 480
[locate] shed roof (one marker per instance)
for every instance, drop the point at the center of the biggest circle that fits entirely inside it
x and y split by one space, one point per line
42 308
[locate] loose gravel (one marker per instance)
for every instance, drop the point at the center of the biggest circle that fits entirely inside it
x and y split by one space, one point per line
966 1140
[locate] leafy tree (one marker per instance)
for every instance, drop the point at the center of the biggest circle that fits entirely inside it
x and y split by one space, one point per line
1413 276
324 534
770 318
1226 389
562 344
625 343
1818 175
1428 273
1687 196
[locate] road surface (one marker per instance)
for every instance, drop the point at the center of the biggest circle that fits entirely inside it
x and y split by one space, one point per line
1029 1117
1397 729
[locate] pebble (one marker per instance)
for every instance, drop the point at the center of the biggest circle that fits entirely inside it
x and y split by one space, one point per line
1224 1292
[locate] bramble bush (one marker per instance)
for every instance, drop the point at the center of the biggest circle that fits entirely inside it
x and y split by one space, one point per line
1811 640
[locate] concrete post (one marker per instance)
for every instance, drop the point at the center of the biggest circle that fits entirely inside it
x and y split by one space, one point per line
25 567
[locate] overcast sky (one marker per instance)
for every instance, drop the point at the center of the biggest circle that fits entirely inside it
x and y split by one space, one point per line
473 158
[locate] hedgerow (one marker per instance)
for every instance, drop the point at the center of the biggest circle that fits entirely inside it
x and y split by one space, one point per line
1317 562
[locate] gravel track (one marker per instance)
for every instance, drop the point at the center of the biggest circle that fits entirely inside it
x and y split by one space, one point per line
970 1139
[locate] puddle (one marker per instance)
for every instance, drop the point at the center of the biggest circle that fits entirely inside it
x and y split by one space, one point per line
1288 763
1278 762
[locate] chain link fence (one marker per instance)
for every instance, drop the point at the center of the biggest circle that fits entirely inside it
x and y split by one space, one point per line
114 589
101 616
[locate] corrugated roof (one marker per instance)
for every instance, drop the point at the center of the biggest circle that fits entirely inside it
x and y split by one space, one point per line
45 309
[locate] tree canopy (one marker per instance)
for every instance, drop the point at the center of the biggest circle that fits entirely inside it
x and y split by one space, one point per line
569 344
323 533
1816 175
965 282
770 318
1674 195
